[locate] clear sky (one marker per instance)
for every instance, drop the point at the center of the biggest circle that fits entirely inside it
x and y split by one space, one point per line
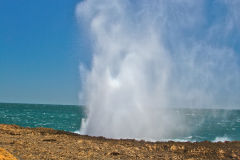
42 44
40 51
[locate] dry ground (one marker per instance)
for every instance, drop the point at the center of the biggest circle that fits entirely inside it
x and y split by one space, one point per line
49 144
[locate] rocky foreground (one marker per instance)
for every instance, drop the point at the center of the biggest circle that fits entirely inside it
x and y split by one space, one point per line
49 144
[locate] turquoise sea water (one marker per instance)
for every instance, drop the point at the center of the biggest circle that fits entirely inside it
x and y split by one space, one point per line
206 124
60 117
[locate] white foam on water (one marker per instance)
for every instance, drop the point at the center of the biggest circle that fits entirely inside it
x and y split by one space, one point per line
221 139
77 132
188 139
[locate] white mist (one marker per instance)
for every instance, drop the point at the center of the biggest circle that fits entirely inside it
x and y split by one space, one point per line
147 60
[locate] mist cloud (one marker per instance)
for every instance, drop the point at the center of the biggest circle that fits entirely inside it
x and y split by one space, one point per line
150 56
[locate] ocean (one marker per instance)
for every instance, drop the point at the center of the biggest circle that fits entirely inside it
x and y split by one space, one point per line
207 124
60 117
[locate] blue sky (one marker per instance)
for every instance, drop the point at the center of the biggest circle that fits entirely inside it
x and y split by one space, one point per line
42 43
40 51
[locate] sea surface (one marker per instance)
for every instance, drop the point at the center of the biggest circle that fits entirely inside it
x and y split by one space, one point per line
60 117
207 124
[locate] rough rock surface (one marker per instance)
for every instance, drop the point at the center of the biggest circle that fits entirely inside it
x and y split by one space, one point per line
5 155
49 144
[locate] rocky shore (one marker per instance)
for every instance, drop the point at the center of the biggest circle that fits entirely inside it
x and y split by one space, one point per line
48 144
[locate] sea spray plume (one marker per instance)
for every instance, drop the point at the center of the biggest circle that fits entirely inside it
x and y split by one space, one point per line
148 60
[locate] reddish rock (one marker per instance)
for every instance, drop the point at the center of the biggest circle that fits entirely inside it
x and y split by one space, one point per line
44 143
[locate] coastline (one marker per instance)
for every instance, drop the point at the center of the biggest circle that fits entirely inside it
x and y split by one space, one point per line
45 143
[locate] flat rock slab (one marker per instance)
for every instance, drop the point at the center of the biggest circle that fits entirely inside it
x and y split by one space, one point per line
49 144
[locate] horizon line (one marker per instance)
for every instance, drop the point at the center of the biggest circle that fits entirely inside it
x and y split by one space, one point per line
41 103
